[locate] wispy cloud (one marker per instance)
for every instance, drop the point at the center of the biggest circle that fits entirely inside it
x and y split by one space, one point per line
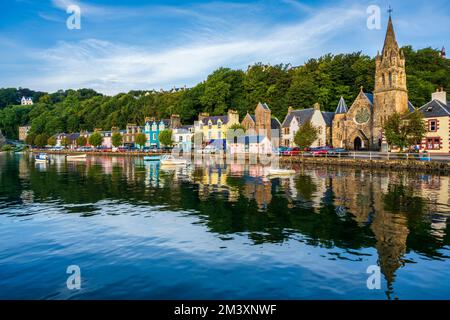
112 67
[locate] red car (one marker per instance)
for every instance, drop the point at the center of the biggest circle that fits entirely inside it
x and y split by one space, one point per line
292 152
320 151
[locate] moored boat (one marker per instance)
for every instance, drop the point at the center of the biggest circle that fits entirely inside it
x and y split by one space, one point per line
76 157
152 158
171 160
280 172
42 158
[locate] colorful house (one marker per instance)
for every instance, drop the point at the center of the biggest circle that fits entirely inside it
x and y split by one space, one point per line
437 121
153 127
182 138
214 128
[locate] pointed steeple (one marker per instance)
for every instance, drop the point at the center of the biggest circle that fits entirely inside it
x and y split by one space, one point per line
342 107
390 41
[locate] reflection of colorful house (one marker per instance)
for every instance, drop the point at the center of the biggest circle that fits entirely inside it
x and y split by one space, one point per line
215 127
154 127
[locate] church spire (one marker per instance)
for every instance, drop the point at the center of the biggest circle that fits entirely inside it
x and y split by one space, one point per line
390 41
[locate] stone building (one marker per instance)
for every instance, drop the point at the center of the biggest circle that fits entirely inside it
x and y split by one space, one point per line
321 120
360 127
262 122
23 132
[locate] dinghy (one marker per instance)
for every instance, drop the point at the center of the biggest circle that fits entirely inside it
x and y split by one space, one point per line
172 161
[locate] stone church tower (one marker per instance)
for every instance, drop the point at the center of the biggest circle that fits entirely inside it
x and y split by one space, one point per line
391 93
361 126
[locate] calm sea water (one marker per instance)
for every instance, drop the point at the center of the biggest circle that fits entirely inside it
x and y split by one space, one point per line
211 231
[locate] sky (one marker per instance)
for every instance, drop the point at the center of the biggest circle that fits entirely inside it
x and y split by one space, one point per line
142 45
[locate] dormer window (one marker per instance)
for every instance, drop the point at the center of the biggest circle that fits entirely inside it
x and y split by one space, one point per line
209 124
219 124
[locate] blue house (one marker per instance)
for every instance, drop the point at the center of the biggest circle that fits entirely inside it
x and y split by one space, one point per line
153 127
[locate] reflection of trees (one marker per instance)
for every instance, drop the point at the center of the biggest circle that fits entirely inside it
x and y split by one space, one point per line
376 209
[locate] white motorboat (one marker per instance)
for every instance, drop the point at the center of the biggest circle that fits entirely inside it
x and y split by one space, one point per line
76 157
42 158
280 172
172 161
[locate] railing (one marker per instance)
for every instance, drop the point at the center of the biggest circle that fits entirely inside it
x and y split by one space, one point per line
376 156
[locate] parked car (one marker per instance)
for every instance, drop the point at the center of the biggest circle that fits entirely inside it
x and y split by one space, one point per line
281 150
292 152
210 149
337 152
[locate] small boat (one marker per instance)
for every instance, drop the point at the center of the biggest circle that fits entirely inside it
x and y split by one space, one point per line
280 172
171 160
152 158
42 158
76 157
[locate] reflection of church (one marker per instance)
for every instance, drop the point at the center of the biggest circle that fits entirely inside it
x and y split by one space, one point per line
360 126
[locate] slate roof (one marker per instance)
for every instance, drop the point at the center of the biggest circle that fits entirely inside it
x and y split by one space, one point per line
328 117
302 116
370 97
275 123
434 109
411 107
264 105
214 119
342 106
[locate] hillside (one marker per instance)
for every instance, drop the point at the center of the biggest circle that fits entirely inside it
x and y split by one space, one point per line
322 80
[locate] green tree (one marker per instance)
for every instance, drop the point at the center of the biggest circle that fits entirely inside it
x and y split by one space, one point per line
140 139
51 141
405 130
95 139
306 135
238 126
30 139
116 139
81 141
165 138
41 140
65 142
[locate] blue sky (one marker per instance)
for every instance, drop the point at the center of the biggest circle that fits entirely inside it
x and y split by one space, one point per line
124 45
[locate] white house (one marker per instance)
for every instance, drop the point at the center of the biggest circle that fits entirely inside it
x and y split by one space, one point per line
321 120
26 101
182 138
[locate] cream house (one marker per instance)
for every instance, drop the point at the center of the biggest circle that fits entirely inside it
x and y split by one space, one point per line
321 120
437 120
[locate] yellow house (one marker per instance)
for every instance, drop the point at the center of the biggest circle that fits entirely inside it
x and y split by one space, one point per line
437 121
215 127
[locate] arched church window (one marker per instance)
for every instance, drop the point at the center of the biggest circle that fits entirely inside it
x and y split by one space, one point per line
390 78
384 79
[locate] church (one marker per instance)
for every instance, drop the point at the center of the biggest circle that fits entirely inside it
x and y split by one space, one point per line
360 126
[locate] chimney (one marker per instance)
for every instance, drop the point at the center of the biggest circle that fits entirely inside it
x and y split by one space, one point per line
202 116
317 106
290 109
175 121
233 117
440 95
443 54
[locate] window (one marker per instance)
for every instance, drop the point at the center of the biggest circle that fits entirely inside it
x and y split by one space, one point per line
219 124
219 135
209 135
432 125
154 136
433 143
384 79
286 130
209 125
180 139
390 78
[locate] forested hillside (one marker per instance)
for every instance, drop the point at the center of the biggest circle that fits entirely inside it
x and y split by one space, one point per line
321 80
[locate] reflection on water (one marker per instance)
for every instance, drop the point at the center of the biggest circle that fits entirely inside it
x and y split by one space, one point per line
323 225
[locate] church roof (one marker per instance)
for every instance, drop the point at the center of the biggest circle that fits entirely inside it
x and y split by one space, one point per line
370 97
434 109
411 107
342 106
264 105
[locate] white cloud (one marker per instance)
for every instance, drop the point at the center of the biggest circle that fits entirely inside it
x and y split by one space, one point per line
114 67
